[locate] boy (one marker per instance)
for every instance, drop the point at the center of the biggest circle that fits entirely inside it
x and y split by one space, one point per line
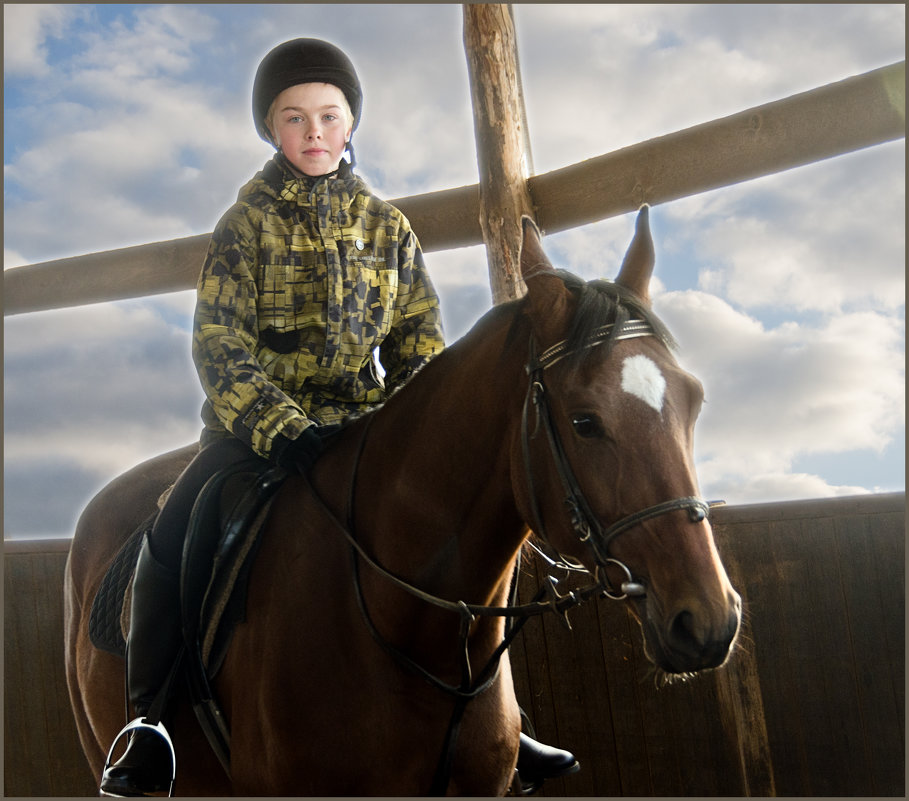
307 275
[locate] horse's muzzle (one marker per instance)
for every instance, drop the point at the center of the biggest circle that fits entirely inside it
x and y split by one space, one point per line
687 644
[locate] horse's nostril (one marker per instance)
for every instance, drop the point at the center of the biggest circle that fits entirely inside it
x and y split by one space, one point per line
694 647
682 634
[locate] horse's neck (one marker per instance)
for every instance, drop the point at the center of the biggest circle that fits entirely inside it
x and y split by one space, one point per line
439 502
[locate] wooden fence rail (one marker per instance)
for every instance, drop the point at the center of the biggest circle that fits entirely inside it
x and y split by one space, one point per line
858 112
811 704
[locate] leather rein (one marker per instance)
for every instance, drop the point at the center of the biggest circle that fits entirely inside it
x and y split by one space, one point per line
548 598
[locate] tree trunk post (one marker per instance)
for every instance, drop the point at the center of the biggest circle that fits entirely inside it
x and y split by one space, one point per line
502 156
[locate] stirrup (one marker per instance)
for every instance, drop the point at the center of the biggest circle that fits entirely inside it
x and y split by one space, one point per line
518 787
158 729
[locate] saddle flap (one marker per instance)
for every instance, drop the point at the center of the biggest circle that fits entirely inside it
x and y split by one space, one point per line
218 553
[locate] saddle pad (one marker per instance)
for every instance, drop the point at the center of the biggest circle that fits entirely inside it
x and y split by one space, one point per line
104 625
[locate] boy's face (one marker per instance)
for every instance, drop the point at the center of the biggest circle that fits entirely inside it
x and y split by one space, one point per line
311 123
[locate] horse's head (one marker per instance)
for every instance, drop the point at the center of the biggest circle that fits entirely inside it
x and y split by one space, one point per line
604 465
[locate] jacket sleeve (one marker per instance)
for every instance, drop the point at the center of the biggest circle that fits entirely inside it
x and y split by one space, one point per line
416 332
225 333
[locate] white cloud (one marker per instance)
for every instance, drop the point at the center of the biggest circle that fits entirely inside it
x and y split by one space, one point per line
103 385
602 76
161 42
26 27
781 486
800 342
12 258
826 237
774 394
147 155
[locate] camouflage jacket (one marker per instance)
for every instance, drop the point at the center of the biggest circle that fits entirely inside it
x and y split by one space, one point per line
303 280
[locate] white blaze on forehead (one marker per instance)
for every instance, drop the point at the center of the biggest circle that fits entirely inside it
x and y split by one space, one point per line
643 379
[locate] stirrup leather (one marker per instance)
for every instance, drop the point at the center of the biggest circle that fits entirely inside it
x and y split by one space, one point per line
160 731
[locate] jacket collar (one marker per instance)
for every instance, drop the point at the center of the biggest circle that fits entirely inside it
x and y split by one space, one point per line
278 180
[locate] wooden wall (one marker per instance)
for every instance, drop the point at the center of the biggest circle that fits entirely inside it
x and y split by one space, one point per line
41 751
811 704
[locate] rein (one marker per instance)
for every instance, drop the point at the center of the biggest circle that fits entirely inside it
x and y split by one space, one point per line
548 598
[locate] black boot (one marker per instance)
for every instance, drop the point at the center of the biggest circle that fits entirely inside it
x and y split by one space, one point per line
538 762
147 766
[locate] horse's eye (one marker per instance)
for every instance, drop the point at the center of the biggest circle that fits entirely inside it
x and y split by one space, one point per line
587 426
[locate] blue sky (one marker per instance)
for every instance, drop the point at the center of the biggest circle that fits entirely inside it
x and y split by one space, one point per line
126 124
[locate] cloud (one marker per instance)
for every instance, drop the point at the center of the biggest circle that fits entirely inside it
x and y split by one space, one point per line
783 486
603 76
776 393
12 258
97 385
826 237
90 392
786 292
149 154
161 41
26 28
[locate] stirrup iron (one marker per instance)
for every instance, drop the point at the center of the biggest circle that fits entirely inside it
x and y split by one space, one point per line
160 731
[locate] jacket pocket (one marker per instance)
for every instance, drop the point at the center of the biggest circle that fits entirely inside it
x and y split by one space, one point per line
371 301
292 296
275 302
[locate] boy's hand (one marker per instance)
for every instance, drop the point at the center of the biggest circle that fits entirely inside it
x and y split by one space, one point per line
301 453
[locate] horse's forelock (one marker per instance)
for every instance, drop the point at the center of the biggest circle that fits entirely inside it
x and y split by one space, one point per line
601 302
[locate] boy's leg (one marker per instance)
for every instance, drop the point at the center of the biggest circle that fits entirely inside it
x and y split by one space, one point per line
155 633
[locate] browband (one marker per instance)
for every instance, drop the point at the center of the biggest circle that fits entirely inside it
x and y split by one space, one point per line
630 329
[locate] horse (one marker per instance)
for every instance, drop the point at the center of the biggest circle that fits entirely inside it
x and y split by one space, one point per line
372 659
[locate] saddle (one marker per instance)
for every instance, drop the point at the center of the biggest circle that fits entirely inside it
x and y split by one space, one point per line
218 553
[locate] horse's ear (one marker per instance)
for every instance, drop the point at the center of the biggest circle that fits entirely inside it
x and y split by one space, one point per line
533 259
637 267
548 299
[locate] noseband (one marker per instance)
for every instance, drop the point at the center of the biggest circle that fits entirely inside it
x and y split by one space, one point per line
583 522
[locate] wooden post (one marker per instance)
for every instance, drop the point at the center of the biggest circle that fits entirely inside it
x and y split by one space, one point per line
498 109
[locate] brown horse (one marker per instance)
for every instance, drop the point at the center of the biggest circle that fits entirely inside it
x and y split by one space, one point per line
564 413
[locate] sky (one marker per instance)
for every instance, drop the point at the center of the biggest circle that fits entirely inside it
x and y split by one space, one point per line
128 124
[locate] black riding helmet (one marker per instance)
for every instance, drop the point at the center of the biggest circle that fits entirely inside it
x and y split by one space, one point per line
303 61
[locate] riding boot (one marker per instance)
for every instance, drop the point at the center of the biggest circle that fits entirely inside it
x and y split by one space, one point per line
538 762
147 766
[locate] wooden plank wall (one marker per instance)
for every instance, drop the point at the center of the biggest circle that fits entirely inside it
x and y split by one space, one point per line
811 704
41 751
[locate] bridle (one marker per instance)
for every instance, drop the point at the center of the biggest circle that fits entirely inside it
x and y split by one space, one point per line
548 598
582 520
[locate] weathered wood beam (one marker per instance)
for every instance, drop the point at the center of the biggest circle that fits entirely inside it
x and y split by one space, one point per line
839 118
174 265
498 109
832 120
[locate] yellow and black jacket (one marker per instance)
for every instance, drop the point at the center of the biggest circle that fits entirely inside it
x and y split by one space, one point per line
303 280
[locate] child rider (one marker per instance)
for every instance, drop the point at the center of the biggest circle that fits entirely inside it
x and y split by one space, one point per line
307 274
